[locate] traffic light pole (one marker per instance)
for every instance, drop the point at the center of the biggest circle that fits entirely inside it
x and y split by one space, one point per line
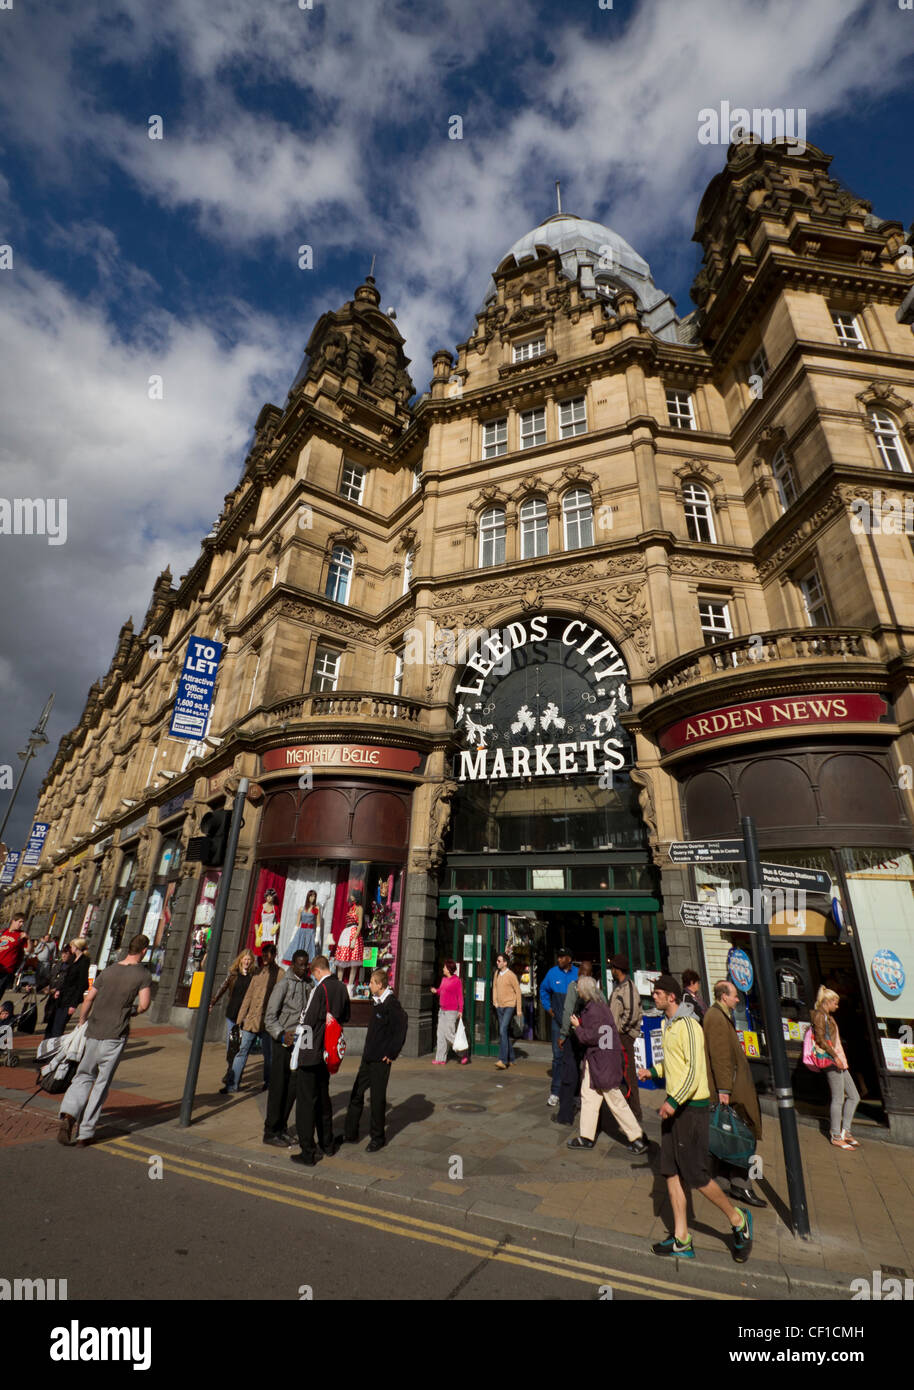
772 1011
225 883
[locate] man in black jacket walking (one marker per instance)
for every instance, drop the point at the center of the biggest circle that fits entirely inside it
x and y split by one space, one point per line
383 1045
312 1110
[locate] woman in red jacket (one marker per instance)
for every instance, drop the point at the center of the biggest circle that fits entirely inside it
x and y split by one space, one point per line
450 1001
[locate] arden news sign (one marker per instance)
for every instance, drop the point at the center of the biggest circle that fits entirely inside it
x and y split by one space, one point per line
542 698
774 714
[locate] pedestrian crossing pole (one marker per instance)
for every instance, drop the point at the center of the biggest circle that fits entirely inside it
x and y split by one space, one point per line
225 883
771 1008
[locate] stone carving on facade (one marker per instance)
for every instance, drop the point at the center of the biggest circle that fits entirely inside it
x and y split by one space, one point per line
705 568
801 535
302 612
648 810
626 606
348 537
591 572
407 539
439 820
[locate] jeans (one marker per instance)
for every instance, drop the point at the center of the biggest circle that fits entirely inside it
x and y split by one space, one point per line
558 1004
569 1079
247 1042
844 1100
89 1087
505 1042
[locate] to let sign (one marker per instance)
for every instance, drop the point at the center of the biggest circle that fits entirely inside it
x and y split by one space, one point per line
341 755
773 714
35 845
194 699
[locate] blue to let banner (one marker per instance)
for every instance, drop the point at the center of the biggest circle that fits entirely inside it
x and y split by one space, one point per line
9 868
195 689
35 845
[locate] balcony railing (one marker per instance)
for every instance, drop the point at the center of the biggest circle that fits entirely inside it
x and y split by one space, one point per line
789 645
343 704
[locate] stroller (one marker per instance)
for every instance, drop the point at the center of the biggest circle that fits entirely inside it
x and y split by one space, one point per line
58 1059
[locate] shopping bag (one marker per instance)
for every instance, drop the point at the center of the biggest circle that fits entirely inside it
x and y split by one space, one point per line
461 1041
813 1057
730 1138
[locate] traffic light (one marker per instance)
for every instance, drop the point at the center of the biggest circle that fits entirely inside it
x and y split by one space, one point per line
215 827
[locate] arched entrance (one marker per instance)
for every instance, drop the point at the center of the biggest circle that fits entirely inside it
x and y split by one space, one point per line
547 844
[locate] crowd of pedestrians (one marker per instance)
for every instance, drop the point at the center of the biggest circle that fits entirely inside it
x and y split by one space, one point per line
294 1019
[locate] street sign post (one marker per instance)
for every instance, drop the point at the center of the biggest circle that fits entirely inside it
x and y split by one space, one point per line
788 876
771 1009
212 955
707 851
693 914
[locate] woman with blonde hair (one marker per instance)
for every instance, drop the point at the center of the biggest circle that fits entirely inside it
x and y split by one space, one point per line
241 972
844 1094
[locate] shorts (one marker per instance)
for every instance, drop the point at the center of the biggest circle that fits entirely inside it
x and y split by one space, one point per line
684 1146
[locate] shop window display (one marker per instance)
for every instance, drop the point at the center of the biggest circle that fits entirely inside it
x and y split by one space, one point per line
348 910
201 930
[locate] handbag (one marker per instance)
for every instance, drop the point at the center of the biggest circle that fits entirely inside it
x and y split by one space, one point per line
813 1057
516 1027
334 1041
461 1042
730 1138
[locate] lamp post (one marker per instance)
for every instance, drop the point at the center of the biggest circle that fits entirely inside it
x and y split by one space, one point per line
36 738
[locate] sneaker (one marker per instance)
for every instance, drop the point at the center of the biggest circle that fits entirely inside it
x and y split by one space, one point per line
849 1139
742 1238
439 1064
671 1246
553 1100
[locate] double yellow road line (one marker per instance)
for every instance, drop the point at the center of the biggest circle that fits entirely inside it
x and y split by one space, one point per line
413 1228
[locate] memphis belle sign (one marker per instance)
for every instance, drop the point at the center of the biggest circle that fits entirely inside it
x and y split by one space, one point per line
792 711
541 698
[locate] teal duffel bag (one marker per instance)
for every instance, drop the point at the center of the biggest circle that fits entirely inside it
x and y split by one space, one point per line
731 1139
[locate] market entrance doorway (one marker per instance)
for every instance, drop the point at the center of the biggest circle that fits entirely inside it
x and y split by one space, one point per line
530 930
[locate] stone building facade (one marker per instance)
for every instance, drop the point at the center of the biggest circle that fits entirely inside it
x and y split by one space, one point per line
607 584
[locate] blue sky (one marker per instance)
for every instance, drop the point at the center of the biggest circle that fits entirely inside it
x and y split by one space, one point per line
329 127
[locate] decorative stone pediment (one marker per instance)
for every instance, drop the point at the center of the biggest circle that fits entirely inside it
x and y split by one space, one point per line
529 485
348 537
577 476
883 393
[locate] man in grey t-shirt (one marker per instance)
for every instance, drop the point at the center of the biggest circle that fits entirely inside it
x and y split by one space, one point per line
108 1004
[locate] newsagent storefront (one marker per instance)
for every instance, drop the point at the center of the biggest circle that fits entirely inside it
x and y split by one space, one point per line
330 862
836 806
547 844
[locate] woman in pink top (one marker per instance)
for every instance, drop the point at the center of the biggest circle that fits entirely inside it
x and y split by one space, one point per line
450 1000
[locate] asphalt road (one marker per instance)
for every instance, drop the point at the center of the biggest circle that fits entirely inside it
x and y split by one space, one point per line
213 1228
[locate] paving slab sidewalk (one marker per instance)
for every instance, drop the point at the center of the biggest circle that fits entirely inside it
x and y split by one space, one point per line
475 1147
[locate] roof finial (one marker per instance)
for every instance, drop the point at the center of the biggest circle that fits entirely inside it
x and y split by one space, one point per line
371 271
558 195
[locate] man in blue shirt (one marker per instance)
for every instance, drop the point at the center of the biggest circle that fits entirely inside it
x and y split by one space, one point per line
552 997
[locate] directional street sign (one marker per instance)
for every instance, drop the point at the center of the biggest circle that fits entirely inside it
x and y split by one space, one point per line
693 914
787 876
707 851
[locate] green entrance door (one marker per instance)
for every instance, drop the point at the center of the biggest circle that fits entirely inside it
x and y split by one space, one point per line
596 927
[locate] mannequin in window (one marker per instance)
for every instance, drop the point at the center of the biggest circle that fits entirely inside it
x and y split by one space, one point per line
349 946
309 924
268 926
